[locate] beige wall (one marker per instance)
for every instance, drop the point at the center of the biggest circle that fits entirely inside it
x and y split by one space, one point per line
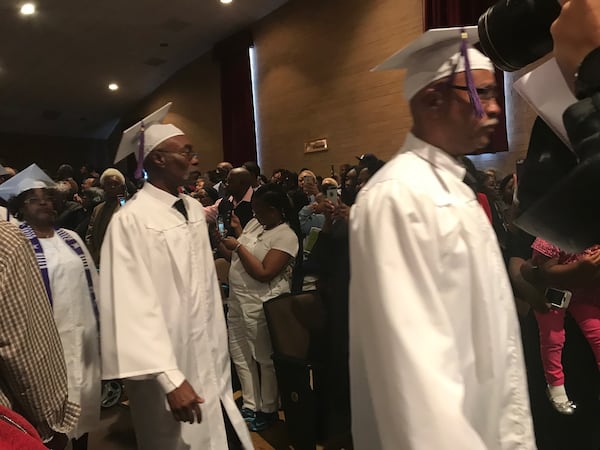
313 80
196 96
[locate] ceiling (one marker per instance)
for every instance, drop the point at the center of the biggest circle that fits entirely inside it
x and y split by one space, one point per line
55 66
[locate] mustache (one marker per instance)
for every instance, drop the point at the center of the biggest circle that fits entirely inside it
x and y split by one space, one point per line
490 123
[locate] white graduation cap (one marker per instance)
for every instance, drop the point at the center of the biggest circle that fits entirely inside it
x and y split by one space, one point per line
143 137
30 178
438 53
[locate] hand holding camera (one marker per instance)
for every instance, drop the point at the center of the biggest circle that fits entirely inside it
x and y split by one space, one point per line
309 186
230 243
341 212
576 32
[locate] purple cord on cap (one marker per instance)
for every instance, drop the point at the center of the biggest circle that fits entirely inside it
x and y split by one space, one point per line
473 96
140 162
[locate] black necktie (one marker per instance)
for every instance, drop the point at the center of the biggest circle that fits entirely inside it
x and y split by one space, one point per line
180 206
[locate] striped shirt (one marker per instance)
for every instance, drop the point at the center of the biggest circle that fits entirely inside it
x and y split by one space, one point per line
33 377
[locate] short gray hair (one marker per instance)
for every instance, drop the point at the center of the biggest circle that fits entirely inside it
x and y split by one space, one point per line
112 173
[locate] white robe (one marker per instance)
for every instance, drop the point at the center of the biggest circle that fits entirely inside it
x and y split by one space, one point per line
76 323
435 348
161 309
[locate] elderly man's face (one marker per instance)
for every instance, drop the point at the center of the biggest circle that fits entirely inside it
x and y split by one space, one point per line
178 152
113 187
469 132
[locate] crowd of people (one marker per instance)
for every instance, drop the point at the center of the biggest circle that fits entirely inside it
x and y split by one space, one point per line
419 265
266 227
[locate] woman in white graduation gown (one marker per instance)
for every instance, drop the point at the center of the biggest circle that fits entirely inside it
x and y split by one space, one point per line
69 276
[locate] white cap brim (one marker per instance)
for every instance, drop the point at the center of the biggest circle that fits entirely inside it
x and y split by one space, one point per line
435 55
154 134
30 178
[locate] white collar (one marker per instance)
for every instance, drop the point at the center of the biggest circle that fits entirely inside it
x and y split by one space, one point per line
434 156
162 196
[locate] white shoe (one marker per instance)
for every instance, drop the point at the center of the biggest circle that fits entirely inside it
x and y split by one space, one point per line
566 407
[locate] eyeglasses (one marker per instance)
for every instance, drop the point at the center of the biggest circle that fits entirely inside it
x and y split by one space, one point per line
185 151
485 94
35 201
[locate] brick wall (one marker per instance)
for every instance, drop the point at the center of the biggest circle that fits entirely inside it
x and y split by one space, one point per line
313 80
196 96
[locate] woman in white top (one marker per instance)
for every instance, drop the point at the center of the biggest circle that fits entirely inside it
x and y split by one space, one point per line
69 276
262 261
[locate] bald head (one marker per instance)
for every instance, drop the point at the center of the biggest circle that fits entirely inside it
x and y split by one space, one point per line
239 181
223 169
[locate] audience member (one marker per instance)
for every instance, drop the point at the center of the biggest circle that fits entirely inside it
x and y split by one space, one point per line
89 182
254 169
238 188
65 172
113 183
262 262
349 185
90 198
551 267
221 173
70 213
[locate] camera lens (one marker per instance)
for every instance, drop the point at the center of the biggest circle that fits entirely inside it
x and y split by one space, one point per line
515 33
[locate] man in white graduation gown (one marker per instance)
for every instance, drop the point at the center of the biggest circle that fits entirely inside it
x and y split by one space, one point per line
435 348
164 330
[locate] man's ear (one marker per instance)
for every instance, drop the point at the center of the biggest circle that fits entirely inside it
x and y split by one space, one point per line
432 99
155 159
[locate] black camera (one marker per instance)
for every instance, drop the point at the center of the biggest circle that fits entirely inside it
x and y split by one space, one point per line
515 33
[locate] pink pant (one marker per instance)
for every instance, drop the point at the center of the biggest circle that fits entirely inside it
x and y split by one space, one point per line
552 336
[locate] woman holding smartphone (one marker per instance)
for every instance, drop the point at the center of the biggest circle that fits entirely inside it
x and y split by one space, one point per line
262 262
550 267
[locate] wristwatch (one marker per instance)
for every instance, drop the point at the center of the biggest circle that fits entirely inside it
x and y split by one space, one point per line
587 78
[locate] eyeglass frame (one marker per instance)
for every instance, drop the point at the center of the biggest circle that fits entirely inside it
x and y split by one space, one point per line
186 151
35 200
486 94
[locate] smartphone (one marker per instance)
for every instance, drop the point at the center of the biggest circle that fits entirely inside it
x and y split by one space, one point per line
332 195
221 226
121 199
558 298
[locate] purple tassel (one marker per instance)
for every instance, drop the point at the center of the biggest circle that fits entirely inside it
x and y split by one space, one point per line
139 171
473 96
